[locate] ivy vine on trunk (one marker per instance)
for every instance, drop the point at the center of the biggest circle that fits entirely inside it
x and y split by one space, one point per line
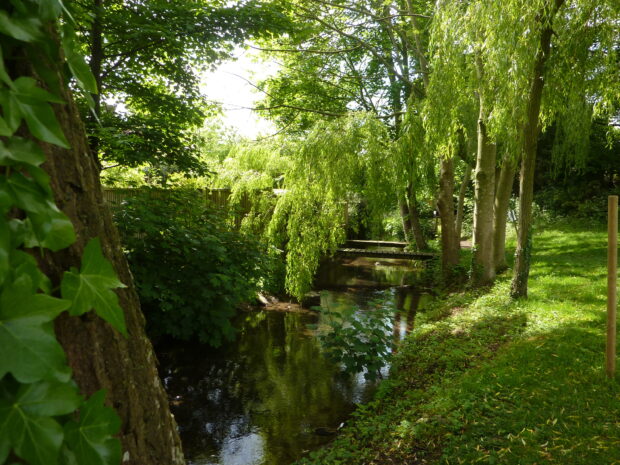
52 271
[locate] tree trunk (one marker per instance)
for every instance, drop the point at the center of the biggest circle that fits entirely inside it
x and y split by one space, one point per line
445 203
483 269
405 219
99 356
528 164
461 202
502 201
410 216
414 215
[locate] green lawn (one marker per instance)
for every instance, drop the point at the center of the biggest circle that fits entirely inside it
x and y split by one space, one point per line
484 379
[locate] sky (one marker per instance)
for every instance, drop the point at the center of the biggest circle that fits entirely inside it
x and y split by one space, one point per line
229 86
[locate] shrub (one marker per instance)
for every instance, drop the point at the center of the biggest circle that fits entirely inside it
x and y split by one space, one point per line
191 271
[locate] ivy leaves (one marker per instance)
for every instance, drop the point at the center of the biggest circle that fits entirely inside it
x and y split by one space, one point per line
25 419
89 437
27 342
25 101
43 419
91 288
26 425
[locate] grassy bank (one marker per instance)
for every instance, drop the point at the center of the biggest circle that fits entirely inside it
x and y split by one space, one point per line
484 379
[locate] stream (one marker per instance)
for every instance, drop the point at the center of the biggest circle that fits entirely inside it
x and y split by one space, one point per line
271 396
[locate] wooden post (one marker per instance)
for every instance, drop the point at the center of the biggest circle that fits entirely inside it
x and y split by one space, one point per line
612 278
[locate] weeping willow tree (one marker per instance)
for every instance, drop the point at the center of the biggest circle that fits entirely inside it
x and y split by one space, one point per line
526 64
338 159
254 171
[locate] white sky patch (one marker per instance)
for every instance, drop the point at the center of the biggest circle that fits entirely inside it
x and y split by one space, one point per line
230 85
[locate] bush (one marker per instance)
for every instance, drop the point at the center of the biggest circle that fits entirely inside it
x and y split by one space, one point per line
191 271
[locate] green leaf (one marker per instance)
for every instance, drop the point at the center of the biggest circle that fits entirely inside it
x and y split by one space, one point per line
19 150
30 351
26 193
91 438
47 399
5 446
35 439
24 266
52 230
42 179
11 108
91 288
5 130
49 9
5 246
77 65
4 76
42 123
27 91
24 29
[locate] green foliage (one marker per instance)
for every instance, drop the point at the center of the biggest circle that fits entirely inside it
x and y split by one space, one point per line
91 287
38 400
488 49
147 57
252 171
359 340
89 436
566 189
191 270
347 155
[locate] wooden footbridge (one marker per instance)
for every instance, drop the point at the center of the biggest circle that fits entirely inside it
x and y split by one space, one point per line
359 248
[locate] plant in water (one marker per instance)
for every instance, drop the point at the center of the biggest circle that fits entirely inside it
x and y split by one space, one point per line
359 340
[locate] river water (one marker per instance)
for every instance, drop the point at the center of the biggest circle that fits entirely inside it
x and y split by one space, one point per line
270 397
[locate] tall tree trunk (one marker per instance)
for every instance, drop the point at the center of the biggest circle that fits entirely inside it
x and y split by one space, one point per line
528 163
483 269
99 356
500 215
460 207
414 215
405 218
410 216
445 203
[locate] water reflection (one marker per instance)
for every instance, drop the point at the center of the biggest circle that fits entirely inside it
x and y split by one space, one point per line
271 396
260 400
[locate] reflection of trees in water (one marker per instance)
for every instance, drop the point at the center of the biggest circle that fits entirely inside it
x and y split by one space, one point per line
273 381
406 303
365 272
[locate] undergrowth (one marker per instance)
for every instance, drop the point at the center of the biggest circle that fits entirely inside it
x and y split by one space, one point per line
486 379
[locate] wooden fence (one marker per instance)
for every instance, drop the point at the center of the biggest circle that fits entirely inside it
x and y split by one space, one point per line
218 198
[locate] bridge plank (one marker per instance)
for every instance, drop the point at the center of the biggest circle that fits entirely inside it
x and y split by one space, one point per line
369 243
347 252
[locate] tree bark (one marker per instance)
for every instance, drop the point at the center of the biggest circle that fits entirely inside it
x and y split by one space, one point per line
528 164
460 207
445 203
483 269
410 216
500 215
414 215
405 219
99 356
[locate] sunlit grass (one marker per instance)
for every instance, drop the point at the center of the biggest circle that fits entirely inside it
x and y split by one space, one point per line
485 379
